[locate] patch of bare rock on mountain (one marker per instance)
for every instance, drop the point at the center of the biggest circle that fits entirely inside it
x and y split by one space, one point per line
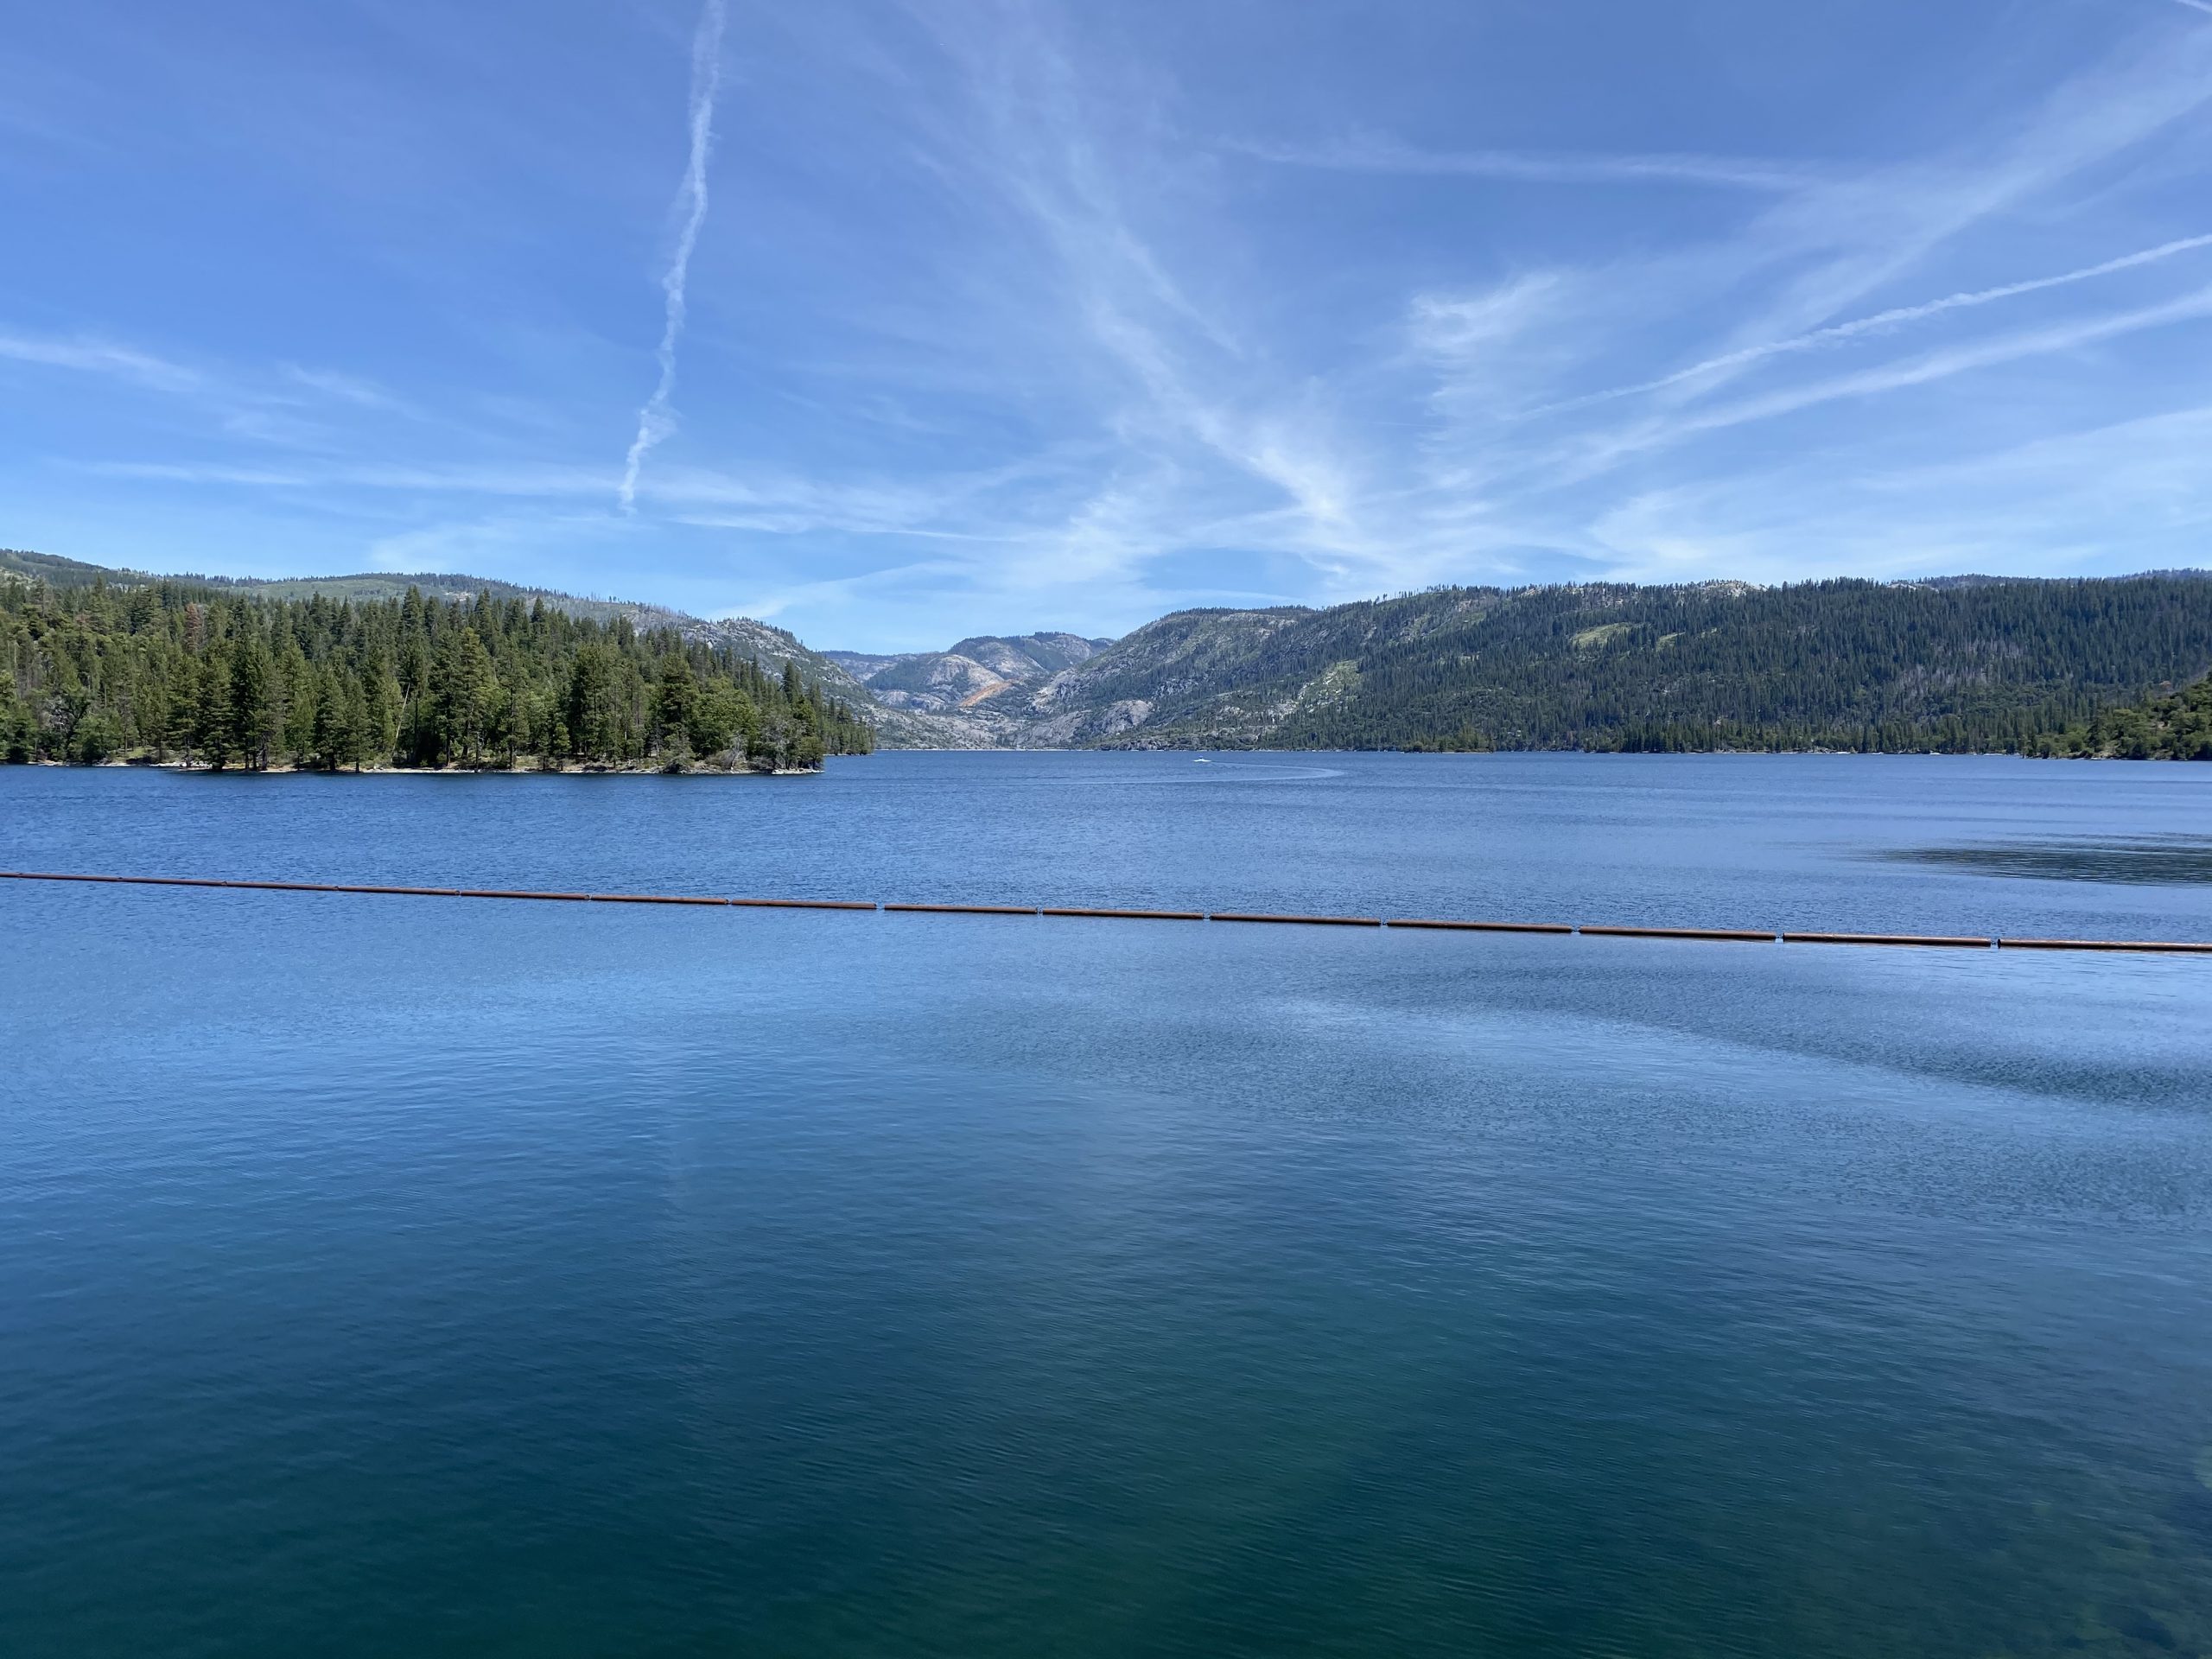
976 695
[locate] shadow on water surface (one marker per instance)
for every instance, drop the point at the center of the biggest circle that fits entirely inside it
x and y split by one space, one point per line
2162 861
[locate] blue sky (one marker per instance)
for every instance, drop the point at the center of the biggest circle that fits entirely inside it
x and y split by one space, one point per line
893 323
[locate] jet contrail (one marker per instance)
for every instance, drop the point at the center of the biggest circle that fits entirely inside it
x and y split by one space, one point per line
1904 313
654 422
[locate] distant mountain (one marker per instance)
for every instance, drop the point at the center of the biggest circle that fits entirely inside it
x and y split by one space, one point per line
74 573
964 681
1978 664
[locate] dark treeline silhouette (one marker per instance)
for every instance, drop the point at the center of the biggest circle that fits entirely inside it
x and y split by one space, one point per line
173 670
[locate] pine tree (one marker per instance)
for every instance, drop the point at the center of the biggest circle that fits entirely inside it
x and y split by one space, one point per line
675 700
382 700
254 712
461 695
212 732
303 695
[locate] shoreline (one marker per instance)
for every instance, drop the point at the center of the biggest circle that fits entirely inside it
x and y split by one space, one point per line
572 769
143 763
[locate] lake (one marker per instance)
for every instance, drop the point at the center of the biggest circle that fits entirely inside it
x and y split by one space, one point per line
388 1275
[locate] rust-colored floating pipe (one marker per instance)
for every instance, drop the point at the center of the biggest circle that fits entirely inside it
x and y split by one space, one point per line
1747 935
652 898
2185 947
969 910
1126 915
1303 921
805 904
495 893
1480 927
2188 946
1960 942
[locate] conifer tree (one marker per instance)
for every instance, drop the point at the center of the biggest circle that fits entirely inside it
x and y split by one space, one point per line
301 698
211 730
254 713
676 698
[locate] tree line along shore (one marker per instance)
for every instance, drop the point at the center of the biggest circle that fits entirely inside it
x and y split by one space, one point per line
183 671
172 673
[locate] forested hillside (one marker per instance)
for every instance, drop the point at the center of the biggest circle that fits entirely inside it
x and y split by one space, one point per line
2173 725
178 670
739 636
1958 665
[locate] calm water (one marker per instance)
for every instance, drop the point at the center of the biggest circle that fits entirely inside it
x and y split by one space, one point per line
385 1276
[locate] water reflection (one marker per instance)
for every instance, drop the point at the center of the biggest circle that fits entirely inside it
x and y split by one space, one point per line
2154 860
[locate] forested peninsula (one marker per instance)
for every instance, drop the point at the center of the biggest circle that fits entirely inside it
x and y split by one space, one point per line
174 671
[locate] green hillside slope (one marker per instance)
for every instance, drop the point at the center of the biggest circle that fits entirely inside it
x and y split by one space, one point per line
1964 665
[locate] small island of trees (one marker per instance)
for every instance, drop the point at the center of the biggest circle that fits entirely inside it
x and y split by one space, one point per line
170 672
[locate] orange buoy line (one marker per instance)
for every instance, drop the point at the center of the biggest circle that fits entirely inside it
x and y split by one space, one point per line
1308 921
1761 936
1966 941
1758 936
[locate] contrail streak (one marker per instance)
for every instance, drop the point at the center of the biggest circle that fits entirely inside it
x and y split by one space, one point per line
654 422
2196 5
1892 318
1373 155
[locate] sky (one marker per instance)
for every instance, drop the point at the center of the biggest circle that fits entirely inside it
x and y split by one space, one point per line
893 323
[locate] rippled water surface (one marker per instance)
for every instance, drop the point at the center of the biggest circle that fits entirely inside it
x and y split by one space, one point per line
2168 859
381 1275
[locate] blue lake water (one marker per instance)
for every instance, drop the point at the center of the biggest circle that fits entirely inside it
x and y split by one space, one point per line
384 1276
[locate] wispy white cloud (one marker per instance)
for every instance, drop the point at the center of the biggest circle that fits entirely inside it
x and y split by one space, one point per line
2046 506
655 423
1595 455
94 356
263 404
1370 154
1896 316
1815 254
357 390
547 481
1062 158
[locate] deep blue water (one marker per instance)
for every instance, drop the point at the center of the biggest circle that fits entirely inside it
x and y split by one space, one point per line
383 1276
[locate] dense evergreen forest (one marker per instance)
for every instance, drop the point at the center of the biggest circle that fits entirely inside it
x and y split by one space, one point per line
182 671
1970 665
2176 726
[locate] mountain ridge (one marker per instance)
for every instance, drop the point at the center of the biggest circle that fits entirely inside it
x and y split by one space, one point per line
975 671
1964 664
1954 663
